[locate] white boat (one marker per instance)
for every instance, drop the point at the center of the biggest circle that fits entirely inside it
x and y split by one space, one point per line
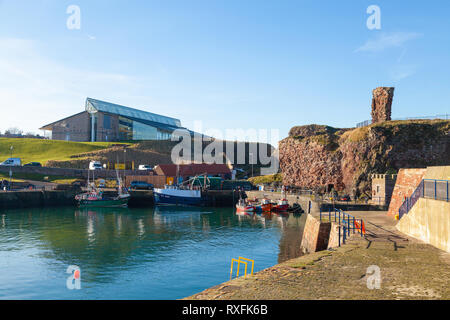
172 195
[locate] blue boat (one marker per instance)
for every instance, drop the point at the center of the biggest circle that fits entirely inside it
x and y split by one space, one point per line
172 195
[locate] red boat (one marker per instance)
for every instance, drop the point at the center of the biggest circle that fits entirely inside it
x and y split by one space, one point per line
242 206
281 206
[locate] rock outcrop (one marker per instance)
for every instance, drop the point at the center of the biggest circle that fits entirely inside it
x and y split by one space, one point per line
382 104
318 156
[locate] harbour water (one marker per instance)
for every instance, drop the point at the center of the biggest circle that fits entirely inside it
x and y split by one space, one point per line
150 253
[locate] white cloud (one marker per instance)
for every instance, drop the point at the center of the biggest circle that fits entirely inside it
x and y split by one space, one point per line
388 40
35 91
403 71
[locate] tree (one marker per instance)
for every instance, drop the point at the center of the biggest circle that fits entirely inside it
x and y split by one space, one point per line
13 132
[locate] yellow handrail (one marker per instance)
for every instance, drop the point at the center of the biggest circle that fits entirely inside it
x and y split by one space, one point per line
239 261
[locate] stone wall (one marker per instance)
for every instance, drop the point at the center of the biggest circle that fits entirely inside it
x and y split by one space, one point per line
336 238
381 104
35 199
407 181
305 202
74 128
382 188
428 221
315 235
71 173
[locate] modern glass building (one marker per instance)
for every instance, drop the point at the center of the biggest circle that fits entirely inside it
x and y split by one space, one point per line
104 121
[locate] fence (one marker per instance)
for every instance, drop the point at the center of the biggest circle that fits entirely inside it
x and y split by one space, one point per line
156 181
381 200
439 116
349 223
428 188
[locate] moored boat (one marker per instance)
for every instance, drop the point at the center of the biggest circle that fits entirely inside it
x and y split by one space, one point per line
281 206
96 198
243 206
266 205
172 195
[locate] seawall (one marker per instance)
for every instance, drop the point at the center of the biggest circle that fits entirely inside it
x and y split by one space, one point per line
36 199
304 201
139 198
429 221
319 235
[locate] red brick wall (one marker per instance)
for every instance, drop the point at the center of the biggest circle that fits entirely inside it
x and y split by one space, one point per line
407 181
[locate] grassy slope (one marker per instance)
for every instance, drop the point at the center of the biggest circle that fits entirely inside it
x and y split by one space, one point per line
43 150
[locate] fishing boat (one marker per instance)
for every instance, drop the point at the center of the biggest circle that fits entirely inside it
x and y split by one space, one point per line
243 206
265 206
175 195
96 198
281 206
187 193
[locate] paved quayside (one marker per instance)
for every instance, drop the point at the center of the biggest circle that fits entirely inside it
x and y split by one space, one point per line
409 269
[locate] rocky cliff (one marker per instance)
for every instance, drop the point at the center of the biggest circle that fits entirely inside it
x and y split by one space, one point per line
316 156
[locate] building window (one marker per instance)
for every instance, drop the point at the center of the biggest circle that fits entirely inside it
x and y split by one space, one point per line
125 129
106 121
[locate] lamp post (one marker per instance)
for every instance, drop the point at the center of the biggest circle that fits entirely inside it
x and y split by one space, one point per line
10 168
124 161
251 154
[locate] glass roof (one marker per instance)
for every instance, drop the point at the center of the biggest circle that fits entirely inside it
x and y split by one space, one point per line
107 107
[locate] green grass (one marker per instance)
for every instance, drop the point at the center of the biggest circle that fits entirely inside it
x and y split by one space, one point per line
38 150
266 179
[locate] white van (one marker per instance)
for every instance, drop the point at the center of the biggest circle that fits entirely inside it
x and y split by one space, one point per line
95 165
14 162
145 167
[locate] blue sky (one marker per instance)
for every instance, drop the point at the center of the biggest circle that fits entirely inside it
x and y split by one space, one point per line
230 64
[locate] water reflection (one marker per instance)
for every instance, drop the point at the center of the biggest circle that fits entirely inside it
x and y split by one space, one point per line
178 251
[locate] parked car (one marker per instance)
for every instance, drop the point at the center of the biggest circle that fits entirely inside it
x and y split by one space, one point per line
141 185
33 164
14 162
95 165
145 167
345 198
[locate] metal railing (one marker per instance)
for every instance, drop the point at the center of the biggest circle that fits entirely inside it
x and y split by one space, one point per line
439 116
428 188
380 200
349 223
